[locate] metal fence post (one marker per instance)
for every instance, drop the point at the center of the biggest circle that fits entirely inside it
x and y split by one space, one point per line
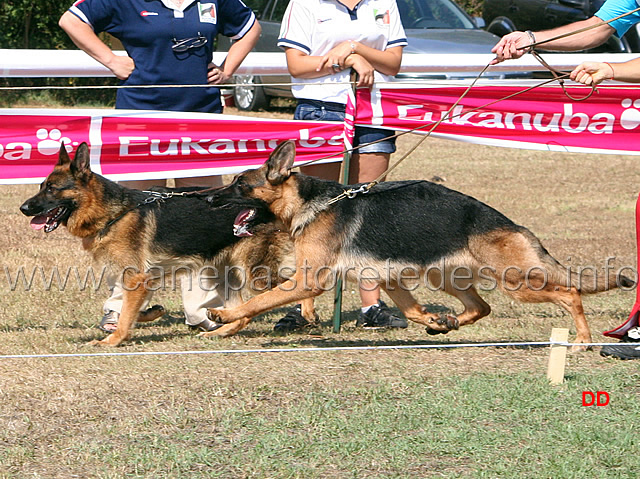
346 160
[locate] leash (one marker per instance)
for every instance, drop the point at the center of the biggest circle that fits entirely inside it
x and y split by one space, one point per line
557 76
560 77
352 192
158 197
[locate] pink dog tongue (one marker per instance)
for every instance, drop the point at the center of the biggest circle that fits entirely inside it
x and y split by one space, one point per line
38 222
240 224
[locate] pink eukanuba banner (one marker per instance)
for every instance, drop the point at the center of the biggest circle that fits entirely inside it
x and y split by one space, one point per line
544 118
147 144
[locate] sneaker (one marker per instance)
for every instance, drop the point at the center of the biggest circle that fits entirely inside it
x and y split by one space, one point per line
622 351
380 316
205 326
109 321
292 321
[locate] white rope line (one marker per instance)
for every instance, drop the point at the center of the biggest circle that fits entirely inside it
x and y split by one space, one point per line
108 87
416 82
111 87
300 350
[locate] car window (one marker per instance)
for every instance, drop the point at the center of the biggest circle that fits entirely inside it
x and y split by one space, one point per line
415 14
427 14
273 10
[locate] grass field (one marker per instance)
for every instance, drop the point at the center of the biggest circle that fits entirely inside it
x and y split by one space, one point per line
472 412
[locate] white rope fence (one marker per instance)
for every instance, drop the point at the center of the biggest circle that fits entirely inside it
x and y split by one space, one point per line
309 349
75 63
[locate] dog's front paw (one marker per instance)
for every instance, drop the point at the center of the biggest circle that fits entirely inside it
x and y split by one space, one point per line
151 314
443 324
220 315
100 343
226 330
112 340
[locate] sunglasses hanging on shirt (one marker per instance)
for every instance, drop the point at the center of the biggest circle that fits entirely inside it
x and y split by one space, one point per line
180 46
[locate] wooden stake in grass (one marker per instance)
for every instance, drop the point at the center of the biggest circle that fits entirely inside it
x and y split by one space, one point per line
558 355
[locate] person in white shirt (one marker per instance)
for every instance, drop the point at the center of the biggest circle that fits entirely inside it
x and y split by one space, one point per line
323 41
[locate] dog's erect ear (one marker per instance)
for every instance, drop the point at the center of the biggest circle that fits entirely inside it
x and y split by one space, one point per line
63 156
80 165
280 162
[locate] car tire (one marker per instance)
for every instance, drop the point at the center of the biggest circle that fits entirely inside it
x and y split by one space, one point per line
615 45
247 95
501 26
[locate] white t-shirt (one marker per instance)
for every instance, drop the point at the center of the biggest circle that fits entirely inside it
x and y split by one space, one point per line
316 26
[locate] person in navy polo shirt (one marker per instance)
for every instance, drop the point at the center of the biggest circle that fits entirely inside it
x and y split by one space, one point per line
168 42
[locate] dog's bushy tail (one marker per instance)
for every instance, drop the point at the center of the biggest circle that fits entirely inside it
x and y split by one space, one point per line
587 280
520 259
590 281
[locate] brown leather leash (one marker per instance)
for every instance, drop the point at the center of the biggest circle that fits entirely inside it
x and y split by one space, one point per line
557 76
352 192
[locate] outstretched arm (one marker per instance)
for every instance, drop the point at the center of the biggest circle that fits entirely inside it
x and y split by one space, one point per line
512 45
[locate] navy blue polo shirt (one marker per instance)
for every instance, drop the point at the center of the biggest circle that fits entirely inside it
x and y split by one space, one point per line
147 29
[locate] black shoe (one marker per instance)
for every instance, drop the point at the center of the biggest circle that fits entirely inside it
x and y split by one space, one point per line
292 321
622 351
380 316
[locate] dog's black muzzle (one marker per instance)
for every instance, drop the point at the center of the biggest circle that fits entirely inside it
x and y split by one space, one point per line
47 215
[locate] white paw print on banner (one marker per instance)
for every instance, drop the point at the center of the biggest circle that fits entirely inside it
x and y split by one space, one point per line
49 143
630 118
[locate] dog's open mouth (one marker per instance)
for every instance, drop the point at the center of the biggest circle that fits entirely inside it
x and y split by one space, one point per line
241 226
50 220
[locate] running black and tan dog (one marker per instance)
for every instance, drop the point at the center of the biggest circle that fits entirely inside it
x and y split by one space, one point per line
142 234
400 234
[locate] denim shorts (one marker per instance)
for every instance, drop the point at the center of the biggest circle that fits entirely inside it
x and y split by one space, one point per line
329 111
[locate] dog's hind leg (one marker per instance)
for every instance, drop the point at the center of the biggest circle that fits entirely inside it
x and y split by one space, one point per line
567 298
308 310
525 271
135 292
418 313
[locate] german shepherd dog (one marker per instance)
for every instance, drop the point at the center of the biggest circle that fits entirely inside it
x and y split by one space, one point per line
403 233
134 232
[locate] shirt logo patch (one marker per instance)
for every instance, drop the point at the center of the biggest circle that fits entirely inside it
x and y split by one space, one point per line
144 13
382 18
208 13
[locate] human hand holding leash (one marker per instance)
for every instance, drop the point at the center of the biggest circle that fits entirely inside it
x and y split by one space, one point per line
592 73
364 69
510 47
